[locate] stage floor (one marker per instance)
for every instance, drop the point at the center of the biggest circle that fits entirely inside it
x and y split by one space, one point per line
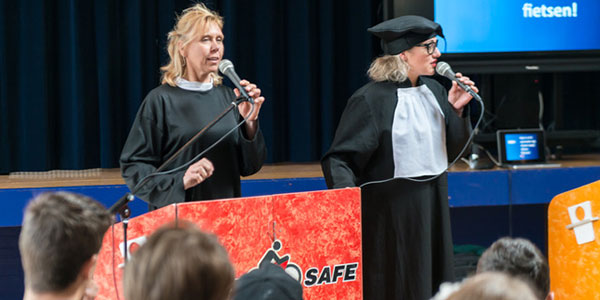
61 178
58 178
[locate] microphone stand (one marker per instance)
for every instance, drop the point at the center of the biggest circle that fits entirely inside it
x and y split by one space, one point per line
121 206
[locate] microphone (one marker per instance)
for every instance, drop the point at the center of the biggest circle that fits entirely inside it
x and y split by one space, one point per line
226 68
115 208
444 69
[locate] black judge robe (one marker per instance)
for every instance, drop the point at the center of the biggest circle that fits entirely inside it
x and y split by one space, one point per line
407 241
167 119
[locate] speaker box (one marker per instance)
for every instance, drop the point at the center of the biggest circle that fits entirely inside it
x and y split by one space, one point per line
515 101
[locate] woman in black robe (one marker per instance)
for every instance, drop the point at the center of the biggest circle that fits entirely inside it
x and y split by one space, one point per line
399 127
191 96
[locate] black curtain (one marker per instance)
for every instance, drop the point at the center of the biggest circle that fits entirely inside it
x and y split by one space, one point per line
73 73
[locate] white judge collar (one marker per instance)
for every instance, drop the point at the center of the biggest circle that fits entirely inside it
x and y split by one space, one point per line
418 133
193 85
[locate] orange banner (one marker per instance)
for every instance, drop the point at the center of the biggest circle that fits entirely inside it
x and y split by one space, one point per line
574 243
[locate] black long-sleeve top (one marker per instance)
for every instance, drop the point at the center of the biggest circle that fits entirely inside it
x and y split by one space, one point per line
167 119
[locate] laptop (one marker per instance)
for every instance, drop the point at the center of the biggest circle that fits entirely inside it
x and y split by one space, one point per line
522 149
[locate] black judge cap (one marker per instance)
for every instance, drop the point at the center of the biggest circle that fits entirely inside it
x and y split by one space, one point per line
266 283
404 32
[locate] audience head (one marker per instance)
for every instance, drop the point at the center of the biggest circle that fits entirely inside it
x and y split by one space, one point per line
270 282
179 263
61 235
520 258
493 286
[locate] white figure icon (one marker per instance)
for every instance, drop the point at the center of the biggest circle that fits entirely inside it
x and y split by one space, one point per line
583 228
132 245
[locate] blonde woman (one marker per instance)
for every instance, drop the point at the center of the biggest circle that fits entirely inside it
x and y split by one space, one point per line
191 96
402 124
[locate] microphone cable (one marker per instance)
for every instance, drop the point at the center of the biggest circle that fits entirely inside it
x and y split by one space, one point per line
197 157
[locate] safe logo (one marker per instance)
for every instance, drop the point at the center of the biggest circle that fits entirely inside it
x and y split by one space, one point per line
271 256
313 275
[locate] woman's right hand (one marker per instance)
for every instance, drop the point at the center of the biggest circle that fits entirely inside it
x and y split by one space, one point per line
197 173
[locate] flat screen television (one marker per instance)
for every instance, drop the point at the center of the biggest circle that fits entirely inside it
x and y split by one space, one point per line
520 35
507 36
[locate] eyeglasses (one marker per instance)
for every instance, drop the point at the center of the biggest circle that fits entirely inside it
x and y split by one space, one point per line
430 47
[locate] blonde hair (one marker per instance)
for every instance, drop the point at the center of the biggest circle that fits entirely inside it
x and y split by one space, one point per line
189 26
388 68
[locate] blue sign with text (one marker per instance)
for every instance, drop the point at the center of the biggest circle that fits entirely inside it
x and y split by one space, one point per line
475 26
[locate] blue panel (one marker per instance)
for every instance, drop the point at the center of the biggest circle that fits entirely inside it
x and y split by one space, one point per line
11 272
541 185
483 225
260 187
465 189
13 201
478 188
